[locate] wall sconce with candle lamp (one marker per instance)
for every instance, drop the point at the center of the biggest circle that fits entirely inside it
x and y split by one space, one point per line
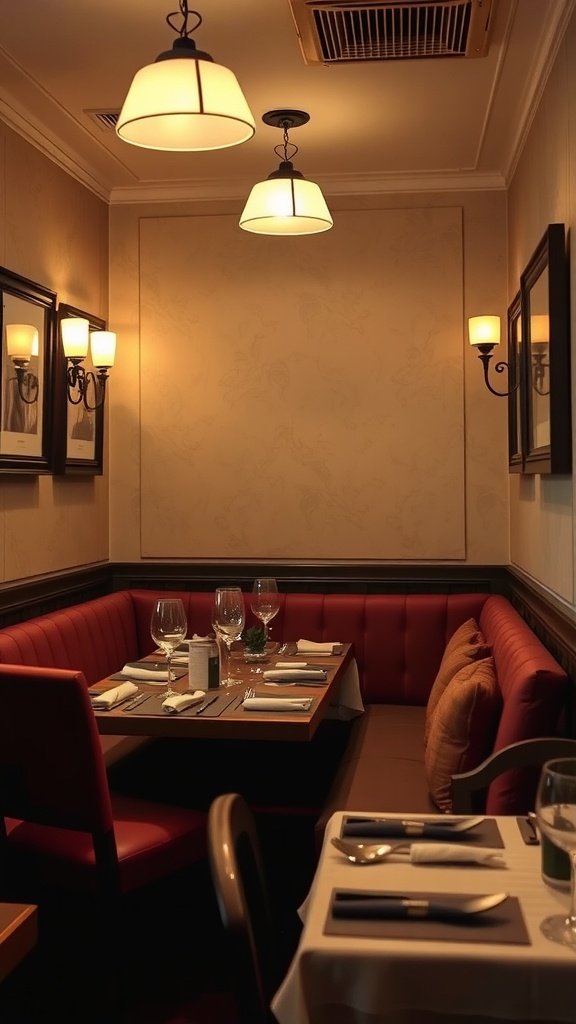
81 383
484 334
21 346
540 351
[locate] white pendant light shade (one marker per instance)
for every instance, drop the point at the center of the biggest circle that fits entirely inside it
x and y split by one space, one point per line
286 206
286 203
183 104
103 348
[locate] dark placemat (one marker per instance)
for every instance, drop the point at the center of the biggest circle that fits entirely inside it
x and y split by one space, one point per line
153 706
505 923
527 832
177 672
486 833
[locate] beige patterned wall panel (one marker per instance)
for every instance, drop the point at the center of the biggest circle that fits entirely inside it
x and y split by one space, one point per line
303 398
542 508
54 232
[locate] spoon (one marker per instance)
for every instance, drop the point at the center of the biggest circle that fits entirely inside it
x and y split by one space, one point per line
367 853
391 906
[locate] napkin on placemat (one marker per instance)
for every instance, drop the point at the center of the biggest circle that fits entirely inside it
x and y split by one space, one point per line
312 647
110 698
181 701
277 703
504 923
155 673
293 675
451 853
486 833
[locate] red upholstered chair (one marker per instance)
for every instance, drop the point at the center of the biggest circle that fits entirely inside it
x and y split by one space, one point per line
71 833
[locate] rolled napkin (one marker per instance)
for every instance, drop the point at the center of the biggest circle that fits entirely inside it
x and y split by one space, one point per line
451 853
151 675
277 703
181 701
109 699
311 647
293 675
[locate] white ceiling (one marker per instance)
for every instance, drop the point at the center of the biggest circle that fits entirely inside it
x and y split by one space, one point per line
378 126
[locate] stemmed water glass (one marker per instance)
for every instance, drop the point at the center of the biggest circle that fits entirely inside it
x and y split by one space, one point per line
168 627
556 815
265 601
228 617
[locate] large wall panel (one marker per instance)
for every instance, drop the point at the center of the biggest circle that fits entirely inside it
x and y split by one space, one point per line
303 398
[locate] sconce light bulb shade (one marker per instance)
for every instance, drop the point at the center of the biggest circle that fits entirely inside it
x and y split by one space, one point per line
540 328
103 348
484 330
184 102
21 341
75 331
286 205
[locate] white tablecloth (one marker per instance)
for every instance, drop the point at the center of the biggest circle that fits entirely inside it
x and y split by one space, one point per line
337 980
347 701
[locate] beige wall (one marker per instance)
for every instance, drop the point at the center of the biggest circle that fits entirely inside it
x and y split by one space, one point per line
52 231
542 192
370 452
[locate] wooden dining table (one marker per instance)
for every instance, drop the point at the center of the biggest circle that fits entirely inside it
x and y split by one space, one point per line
227 719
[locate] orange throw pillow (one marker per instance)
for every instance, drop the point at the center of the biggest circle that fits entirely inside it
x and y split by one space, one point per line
462 729
465 646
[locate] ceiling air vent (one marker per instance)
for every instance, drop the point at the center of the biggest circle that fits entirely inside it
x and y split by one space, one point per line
105 119
356 31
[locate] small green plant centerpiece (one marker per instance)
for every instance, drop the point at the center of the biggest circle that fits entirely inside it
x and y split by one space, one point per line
255 642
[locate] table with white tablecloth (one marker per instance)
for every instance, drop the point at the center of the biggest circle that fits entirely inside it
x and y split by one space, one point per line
358 979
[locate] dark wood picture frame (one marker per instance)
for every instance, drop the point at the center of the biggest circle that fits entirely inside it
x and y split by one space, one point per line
544 287
25 423
517 391
78 433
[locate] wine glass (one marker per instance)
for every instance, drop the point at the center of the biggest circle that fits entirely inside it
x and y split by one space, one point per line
265 601
228 617
556 815
168 627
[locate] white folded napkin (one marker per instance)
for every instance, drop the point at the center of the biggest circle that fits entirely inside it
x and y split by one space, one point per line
277 703
108 699
451 853
311 647
291 664
181 701
293 675
149 674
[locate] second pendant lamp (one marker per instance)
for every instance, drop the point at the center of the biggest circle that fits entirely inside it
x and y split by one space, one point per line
285 203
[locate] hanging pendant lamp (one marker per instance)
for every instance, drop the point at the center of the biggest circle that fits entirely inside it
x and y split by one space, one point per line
184 101
286 203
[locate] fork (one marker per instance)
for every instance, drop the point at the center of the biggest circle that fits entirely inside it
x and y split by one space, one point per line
250 692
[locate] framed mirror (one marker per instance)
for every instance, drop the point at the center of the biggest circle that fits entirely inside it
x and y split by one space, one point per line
547 431
516 396
78 428
26 369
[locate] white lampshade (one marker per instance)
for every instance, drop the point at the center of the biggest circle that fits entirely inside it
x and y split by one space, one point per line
103 348
21 341
75 336
286 206
184 104
540 329
484 330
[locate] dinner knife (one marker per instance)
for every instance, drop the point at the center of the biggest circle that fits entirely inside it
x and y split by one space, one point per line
207 704
384 829
398 907
137 700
